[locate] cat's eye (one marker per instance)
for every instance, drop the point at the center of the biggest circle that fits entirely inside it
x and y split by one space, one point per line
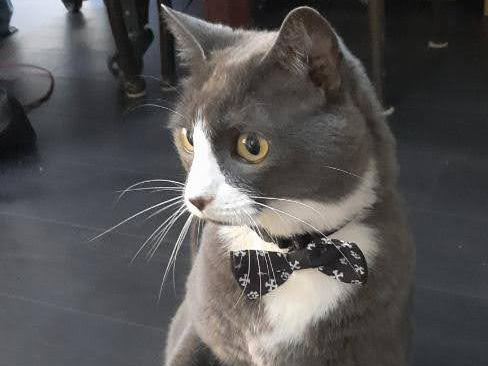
186 137
252 148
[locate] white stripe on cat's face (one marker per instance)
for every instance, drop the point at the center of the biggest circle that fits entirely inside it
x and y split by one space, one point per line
206 181
288 218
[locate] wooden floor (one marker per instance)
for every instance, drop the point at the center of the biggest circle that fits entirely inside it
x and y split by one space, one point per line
67 301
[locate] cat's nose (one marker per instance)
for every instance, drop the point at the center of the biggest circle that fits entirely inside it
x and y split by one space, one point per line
201 202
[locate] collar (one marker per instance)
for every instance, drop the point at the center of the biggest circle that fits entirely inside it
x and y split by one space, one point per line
297 241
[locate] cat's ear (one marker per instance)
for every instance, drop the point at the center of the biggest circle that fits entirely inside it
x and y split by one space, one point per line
307 44
196 38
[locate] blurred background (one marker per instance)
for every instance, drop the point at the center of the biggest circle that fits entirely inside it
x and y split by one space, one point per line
83 110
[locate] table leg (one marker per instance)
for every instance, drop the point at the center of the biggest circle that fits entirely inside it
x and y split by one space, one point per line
439 22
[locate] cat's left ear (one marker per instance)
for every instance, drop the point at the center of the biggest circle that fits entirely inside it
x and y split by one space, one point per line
196 38
307 44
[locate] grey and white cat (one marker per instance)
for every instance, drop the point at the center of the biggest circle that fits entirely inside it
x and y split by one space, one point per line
282 130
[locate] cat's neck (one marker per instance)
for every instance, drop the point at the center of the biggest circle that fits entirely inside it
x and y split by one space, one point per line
291 218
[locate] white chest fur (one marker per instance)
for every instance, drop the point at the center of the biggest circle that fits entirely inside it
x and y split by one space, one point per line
308 295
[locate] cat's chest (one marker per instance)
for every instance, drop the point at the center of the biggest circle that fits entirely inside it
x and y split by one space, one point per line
307 296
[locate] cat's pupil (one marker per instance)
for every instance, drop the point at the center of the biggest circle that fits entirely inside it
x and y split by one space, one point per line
189 136
253 145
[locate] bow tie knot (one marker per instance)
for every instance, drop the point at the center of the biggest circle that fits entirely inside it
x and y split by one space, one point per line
259 272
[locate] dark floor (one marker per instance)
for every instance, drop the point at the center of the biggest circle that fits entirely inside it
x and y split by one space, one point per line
66 301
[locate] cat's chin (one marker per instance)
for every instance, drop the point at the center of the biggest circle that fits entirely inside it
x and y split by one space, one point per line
219 222
225 223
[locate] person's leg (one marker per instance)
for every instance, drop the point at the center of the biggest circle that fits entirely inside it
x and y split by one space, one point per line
126 58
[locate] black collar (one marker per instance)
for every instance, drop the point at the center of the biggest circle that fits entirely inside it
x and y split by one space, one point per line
293 242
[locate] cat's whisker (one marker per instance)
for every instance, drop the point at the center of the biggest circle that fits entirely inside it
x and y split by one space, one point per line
168 188
168 85
269 258
155 106
181 211
274 242
149 77
177 251
128 189
176 247
178 199
153 189
259 269
154 234
307 224
345 172
291 201
162 235
199 228
127 220
248 266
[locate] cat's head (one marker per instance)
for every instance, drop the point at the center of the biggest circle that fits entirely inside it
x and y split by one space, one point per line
269 126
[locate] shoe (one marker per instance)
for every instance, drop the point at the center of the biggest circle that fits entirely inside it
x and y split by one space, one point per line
134 87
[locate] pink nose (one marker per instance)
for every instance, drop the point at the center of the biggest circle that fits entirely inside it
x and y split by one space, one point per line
201 202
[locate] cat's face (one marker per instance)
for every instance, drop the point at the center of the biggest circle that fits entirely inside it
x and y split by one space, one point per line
268 139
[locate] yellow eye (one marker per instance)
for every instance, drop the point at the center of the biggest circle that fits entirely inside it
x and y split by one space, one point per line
186 137
252 148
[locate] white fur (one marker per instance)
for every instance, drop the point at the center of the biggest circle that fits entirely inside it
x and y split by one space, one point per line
206 180
320 215
308 295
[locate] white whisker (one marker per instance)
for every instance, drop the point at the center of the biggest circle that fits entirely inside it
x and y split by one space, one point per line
179 200
307 224
165 232
127 220
156 106
153 189
344 171
180 239
154 234
291 201
148 181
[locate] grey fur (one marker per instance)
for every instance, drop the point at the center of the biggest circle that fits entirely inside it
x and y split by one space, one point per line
314 115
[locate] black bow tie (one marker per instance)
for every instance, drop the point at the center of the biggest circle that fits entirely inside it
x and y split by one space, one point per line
259 272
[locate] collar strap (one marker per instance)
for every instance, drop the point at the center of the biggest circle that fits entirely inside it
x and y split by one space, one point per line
293 242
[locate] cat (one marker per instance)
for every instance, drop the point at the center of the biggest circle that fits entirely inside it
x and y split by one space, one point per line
281 132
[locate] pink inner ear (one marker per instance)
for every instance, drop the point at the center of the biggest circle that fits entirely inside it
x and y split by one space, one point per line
324 70
307 42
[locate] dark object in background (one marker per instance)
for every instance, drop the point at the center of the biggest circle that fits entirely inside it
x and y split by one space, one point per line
73 6
128 21
6 11
439 22
31 85
16 132
235 13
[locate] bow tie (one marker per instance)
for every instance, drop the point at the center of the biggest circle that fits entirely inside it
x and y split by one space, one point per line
259 272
